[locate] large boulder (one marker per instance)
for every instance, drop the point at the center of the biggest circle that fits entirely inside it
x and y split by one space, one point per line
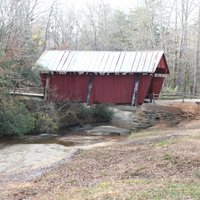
123 118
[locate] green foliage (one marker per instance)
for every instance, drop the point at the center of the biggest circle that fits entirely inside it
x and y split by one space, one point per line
170 158
165 143
45 115
98 112
45 122
2 81
15 119
5 82
84 112
176 191
30 75
102 113
167 157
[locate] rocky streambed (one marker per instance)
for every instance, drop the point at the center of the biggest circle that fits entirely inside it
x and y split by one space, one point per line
30 157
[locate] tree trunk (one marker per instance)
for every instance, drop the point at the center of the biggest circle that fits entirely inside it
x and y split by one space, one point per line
196 69
176 49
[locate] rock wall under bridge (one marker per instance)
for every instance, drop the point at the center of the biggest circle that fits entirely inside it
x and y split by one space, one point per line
149 115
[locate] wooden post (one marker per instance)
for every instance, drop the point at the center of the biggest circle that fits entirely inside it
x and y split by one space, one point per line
135 92
151 96
152 93
46 91
153 100
89 89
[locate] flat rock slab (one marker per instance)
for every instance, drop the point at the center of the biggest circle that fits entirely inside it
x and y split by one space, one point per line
108 130
27 161
22 157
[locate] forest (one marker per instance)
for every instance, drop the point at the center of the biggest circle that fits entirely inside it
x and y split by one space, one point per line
28 27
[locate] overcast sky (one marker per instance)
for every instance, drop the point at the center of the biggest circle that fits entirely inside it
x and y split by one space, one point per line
117 4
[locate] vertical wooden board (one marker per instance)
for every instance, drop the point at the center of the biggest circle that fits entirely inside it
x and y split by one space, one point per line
157 84
144 85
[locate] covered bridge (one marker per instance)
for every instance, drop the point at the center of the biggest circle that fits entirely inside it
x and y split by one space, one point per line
119 77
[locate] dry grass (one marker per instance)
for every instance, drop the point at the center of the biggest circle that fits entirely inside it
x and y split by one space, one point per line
138 189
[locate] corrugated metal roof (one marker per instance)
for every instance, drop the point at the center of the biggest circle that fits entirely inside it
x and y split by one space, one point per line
100 61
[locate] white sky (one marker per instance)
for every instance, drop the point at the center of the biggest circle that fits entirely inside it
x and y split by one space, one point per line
117 4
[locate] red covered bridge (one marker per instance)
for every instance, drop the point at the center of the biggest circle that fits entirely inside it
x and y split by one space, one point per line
103 76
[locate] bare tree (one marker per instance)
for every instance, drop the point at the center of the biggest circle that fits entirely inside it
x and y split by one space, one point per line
197 68
48 24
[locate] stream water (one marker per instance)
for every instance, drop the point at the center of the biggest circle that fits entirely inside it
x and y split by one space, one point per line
34 154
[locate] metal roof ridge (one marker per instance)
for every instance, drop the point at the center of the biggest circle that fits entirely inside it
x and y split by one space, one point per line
104 50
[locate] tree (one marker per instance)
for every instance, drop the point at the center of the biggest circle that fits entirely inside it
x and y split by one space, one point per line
197 68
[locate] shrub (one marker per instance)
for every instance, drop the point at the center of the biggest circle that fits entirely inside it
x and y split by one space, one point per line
46 119
97 113
84 112
102 113
44 122
15 119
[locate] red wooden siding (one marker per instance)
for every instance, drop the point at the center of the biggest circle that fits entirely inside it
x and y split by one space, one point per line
162 66
157 85
106 88
112 89
144 85
68 87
